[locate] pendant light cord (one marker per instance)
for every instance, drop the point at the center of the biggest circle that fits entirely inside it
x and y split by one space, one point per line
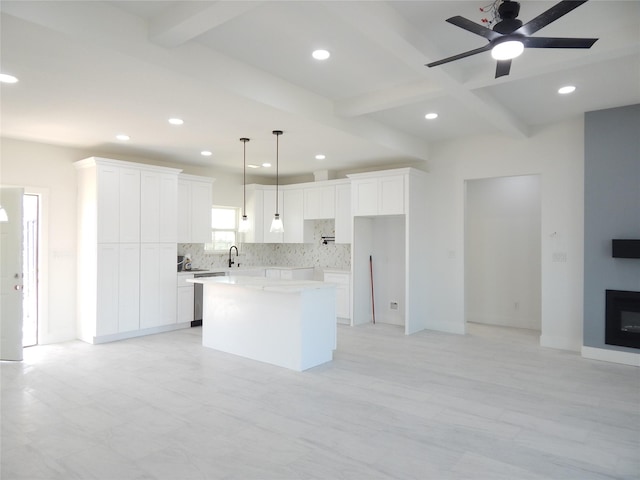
244 176
277 133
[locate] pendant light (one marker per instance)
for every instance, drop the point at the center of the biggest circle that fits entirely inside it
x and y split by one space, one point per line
244 222
3 215
276 224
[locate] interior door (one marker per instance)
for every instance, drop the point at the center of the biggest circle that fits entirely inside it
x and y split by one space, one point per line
11 275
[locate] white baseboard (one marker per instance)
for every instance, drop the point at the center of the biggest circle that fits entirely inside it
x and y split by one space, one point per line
613 356
559 343
139 333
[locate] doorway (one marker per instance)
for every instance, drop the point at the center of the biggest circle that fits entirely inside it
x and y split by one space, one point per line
30 256
503 252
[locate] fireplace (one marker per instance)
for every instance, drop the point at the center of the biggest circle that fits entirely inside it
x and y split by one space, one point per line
622 326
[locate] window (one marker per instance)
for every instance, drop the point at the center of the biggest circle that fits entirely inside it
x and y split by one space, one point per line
224 224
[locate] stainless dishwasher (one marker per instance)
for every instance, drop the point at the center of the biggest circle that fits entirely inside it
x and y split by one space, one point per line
197 296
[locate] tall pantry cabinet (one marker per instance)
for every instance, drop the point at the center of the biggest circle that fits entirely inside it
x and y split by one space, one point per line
127 248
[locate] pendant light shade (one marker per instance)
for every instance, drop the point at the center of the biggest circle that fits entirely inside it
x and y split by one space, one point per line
3 215
276 224
244 221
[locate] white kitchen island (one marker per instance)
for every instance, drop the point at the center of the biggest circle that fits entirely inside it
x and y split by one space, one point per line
289 323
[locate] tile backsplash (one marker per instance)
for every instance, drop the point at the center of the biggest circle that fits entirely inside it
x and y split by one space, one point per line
281 254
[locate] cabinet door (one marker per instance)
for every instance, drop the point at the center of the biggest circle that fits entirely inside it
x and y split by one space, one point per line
364 197
269 209
149 207
296 230
342 301
201 202
344 220
185 304
149 285
184 206
272 273
108 204
167 283
391 195
328 202
129 205
255 215
107 290
129 287
312 203
168 205
319 202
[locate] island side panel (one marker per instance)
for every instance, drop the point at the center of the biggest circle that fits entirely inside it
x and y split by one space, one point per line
252 323
319 326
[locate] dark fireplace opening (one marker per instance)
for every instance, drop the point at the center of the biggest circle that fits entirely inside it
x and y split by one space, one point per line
622 323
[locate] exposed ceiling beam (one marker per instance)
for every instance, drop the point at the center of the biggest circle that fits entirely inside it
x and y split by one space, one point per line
112 29
185 21
382 24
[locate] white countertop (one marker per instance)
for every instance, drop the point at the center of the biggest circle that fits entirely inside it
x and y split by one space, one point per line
262 283
241 269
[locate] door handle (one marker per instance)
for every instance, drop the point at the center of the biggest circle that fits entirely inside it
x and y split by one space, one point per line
18 287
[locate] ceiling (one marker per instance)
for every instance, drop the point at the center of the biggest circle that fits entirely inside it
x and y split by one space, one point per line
89 70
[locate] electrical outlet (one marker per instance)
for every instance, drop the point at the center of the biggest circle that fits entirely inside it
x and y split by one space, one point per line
393 305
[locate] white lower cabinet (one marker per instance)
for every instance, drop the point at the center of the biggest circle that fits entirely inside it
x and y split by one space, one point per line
185 298
343 294
129 288
117 289
157 284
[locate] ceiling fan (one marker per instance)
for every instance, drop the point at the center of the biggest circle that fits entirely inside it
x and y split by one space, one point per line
509 37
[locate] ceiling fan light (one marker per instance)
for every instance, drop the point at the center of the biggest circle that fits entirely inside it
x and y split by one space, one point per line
507 50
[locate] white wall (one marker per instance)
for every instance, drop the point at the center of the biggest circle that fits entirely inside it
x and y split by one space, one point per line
50 170
502 251
554 152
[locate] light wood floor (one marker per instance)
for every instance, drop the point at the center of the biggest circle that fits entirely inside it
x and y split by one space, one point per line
488 405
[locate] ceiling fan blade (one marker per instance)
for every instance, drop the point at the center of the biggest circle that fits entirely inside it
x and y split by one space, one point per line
473 27
460 55
548 42
548 16
503 68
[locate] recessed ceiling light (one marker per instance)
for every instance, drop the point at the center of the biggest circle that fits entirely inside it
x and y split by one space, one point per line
176 121
6 78
122 137
266 164
431 116
205 153
320 54
320 157
566 89
251 165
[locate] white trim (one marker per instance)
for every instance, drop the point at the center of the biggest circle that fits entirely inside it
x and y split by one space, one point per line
614 356
138 333
44 336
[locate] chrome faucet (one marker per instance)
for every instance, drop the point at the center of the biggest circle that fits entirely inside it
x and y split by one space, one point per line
231 262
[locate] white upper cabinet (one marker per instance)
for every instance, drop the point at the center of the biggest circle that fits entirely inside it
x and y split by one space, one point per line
255 214
319 202
117 201
378 193
158 207
129 200
195 198
344 220
296 230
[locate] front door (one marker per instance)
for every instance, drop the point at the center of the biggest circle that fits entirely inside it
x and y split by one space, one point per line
11 274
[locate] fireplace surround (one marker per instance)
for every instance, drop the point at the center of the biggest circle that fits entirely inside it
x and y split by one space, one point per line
622 320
